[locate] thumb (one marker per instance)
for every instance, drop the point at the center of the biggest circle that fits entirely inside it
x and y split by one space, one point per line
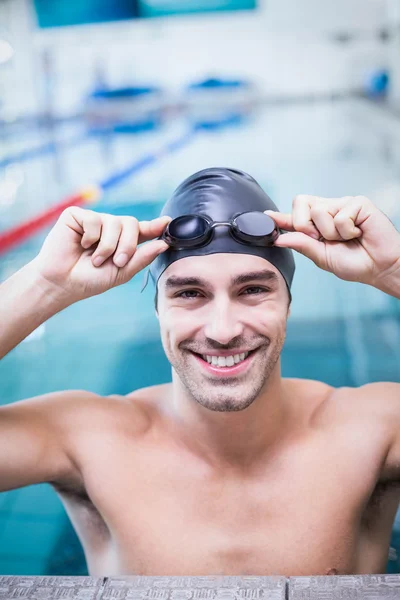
283 220
304 244
149 230
144 255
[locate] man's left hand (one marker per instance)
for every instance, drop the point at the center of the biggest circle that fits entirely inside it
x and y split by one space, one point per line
348 236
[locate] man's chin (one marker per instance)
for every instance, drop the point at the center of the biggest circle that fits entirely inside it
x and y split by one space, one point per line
224 404
222 395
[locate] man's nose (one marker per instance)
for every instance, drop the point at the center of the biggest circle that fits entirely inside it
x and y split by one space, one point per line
223 324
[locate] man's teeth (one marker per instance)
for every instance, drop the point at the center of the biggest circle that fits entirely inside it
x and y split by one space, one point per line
225 361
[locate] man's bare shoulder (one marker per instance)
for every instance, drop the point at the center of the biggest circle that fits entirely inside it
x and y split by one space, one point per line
80 406
380 399
370 403
79 411
382 396
144 404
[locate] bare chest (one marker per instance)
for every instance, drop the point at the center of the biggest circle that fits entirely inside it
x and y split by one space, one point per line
164 513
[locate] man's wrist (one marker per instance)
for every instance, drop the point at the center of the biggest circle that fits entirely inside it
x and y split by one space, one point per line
26 301
389 282
50 297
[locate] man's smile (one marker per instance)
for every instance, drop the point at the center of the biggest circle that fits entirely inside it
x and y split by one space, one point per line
224 364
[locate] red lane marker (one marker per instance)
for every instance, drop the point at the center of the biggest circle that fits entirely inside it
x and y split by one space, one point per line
22 232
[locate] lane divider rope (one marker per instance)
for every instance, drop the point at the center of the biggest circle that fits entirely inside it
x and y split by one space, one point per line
88 195
49 148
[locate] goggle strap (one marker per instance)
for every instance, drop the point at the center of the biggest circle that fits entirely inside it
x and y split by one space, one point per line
145 280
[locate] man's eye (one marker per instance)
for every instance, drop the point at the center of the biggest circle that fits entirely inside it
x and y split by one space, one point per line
187 294
254 289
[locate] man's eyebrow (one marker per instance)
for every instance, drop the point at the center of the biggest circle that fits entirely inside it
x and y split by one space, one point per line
264 276
174 282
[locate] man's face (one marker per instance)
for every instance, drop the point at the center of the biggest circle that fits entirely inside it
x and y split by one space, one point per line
223 305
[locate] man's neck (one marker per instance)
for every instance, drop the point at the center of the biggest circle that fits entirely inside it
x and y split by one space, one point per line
237 439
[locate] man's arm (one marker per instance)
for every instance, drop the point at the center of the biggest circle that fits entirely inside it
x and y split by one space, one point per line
37 438
85 254
26 301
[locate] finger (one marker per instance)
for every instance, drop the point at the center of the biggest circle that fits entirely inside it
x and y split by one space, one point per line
304 244
92 225
128 241
149 230
86 223
324 222
283 220
110 232
301 211
345 221
144 255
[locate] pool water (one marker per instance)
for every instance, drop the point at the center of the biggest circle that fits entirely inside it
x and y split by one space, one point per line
342 333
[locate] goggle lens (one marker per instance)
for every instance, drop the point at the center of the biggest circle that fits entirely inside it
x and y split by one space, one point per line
255 224
188 227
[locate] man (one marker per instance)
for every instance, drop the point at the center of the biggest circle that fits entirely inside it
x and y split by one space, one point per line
230 469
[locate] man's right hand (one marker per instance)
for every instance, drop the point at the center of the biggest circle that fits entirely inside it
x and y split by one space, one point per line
87 253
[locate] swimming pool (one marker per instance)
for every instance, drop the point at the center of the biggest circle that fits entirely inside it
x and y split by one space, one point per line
339 332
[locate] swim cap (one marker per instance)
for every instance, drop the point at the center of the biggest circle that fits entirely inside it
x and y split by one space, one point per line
220 194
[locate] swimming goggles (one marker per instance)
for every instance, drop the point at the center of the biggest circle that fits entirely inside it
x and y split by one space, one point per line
191 231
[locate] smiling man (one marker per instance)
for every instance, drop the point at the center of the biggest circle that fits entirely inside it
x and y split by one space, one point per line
230 469
218 276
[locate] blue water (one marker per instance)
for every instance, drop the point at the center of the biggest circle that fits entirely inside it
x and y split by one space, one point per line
345 334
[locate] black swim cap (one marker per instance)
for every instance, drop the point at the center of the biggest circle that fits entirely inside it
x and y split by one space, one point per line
220 194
